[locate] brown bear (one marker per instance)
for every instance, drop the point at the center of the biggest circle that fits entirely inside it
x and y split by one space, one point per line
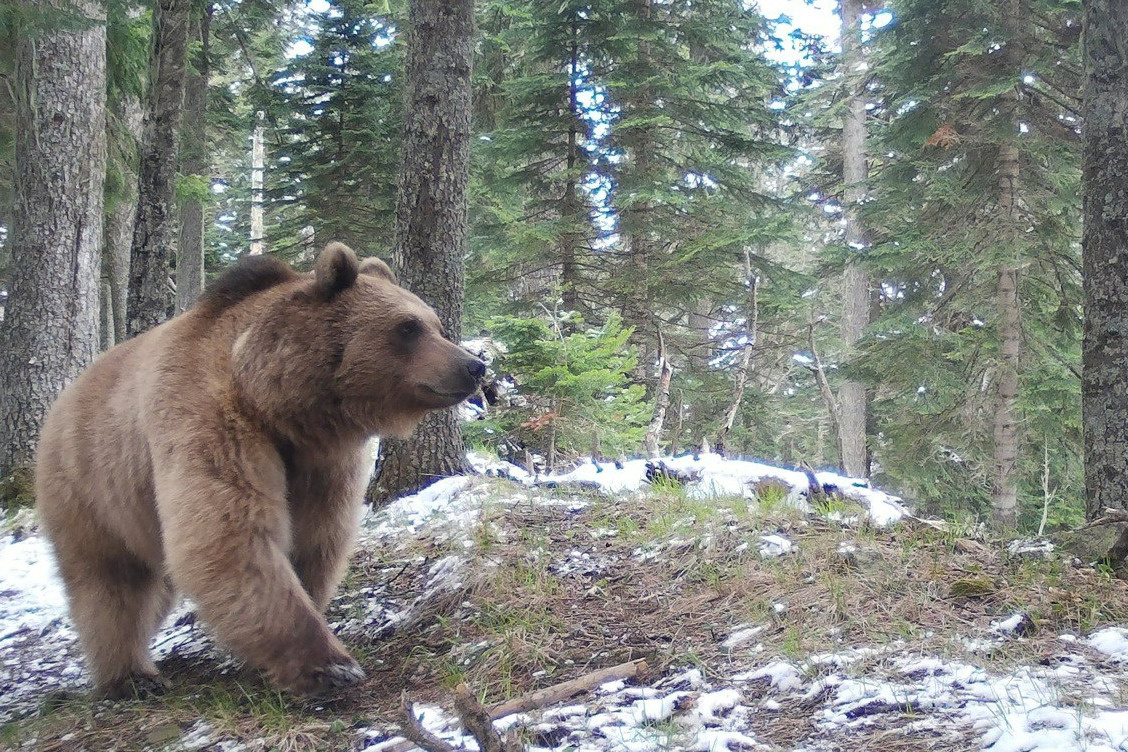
222 455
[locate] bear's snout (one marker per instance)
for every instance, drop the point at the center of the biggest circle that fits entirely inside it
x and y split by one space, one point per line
477 369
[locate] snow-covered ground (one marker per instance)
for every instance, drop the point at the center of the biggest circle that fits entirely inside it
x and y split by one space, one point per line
1072 700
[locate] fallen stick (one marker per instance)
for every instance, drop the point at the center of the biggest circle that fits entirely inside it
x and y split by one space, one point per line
478 722
539 699
564 690
415 735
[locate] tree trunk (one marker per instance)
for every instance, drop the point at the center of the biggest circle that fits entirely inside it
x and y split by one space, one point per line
661 402
150 295
741 379
120 219
50 328
571 208
636 219
1004 490
856 282
1104 397
106 338
194 163
432 215
258 170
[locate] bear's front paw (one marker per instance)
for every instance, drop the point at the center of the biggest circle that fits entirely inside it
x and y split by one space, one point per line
338 675
136 686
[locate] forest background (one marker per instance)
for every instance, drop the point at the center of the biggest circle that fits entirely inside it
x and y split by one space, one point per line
689 224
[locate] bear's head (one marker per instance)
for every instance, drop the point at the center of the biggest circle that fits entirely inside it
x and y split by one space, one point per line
350 352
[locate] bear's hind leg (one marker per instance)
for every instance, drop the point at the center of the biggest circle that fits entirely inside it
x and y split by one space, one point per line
117 601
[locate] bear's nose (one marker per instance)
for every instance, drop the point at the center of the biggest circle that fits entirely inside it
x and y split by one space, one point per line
476 368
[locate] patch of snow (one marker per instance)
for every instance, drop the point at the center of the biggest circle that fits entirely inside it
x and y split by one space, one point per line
30 586
780 676
715 476
1112 641
711 704
773 545
1014 624
410 513
1038 549
741 636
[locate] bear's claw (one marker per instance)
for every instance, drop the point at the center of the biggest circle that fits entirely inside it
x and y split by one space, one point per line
135 687
339 675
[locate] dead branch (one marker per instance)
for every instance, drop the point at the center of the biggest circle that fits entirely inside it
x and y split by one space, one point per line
478 722
417 736
827 393
560 692
1109 516
661 400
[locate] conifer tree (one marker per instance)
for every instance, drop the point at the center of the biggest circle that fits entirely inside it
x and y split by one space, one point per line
333 162
975 223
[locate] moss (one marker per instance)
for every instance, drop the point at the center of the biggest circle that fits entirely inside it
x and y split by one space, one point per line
17 489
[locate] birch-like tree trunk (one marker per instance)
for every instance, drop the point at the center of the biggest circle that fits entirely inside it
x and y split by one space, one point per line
432 216
194 164
1104 388
258 173
50 328
856 282
150 294
119 219
653 439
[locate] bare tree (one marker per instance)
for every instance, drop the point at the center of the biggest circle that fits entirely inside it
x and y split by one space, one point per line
432 214
150 295
1104 393
50 328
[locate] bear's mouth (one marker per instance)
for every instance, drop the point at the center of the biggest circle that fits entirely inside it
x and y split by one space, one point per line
448 398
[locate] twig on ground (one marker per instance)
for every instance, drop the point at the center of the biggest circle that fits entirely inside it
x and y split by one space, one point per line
417 736
565 690
478 722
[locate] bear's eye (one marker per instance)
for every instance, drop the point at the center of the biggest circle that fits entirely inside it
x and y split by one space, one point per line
410 329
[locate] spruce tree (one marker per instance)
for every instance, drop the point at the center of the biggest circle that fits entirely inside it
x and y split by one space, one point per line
974 218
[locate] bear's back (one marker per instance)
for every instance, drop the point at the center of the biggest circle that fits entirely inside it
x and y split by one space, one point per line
250 275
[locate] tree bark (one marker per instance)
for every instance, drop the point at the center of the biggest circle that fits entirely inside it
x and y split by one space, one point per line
856 282
1104 389
432 216
120 219
50 328
741 378
151 257
258 172
653 438
1004 491
194 163
571 207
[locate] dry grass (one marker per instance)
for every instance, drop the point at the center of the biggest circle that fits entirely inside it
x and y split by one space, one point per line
556 592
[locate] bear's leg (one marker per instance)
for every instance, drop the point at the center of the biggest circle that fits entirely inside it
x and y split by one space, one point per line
325 504
116 602
227 549
320 558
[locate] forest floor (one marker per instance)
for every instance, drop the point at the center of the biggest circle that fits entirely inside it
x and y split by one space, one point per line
766 623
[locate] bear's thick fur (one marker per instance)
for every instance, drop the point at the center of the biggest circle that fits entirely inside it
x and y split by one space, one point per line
222 455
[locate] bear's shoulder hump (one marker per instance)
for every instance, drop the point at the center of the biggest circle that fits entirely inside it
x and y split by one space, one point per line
250 275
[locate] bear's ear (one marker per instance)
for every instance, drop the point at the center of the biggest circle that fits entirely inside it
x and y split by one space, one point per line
377 268
336 269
